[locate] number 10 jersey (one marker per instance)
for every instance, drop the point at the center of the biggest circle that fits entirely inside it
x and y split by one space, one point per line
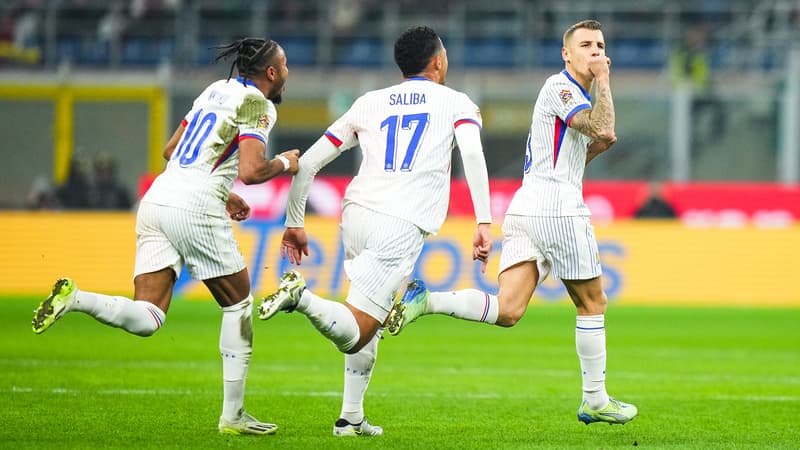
201 171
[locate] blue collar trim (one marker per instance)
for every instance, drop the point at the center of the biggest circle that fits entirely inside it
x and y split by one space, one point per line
245 82
586 94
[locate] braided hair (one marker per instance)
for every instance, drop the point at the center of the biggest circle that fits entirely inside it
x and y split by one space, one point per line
252 56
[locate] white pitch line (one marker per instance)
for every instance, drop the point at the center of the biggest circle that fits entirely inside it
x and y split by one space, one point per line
494 372
757 398
460 395
149 364
185 392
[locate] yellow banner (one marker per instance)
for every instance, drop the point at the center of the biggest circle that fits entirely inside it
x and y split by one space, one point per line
643 262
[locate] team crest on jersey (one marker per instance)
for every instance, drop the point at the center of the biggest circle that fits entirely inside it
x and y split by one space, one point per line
263 121
566 95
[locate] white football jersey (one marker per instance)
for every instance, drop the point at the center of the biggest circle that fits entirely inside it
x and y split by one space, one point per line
555 155
200 174
407 135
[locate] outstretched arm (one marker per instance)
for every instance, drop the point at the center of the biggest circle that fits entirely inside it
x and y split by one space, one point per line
294 243
468 138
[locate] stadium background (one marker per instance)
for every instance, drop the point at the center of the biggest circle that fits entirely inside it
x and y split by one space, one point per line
82 77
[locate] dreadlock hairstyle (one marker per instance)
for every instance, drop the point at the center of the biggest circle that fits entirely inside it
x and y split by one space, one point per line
252 56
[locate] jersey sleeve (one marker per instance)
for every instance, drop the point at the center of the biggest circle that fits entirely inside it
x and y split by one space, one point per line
466 112
188 116
255 118
343 132
195 104
566 99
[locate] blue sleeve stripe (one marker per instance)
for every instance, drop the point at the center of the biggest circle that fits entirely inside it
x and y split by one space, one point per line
568 119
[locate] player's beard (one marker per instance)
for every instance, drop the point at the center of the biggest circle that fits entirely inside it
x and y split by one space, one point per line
276 96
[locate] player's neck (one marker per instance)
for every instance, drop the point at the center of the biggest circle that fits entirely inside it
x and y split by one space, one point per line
585 82
428 75
262 84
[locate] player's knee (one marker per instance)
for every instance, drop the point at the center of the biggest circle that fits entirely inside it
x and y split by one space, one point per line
143 318
366 348
145 330
508 317
360 345
594 304
507 321
352 350
351 346
510 310
363 355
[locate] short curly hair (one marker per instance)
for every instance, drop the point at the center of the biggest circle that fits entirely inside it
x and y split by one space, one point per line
414 49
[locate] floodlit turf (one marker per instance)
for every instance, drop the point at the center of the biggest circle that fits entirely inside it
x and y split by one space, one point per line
702 378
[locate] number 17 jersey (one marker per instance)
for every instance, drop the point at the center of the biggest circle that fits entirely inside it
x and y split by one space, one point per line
407 136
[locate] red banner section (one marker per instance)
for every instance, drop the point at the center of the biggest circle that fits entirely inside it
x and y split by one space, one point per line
697 204
735 204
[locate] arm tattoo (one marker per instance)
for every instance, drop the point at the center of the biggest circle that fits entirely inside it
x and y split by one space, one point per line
598 122
596 148
581 122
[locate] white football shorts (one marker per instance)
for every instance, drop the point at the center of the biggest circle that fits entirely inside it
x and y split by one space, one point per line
171 237
380 252
565 246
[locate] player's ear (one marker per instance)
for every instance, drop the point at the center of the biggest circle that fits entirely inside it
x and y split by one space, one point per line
270 72
437 61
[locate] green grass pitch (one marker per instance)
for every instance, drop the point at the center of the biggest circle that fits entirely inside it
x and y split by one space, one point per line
702 378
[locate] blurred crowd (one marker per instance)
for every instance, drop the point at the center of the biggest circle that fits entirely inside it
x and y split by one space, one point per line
655 205
109 32
89 185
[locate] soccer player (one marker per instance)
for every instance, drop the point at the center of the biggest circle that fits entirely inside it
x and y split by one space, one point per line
399 196
182 219
546 228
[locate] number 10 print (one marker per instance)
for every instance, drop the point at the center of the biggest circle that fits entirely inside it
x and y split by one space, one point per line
189 145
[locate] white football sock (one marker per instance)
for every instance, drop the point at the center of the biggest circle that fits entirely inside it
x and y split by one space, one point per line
469 304
357 373
590 342
139 317
330 318
235 347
